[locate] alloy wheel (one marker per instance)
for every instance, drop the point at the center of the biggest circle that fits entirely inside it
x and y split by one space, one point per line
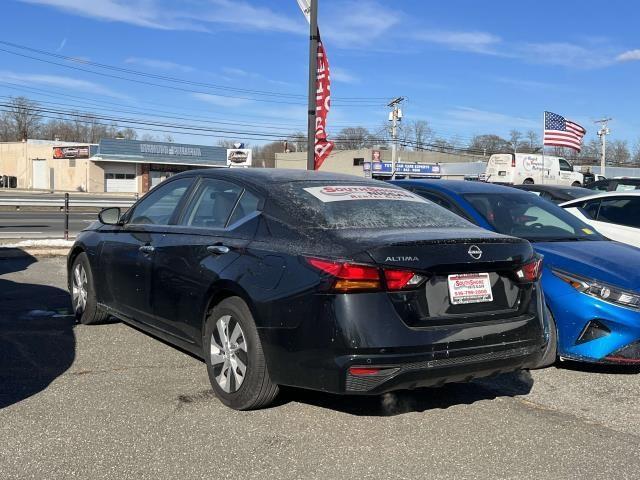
79 289
229 354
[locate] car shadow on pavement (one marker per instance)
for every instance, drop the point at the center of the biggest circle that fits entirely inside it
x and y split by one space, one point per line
603 368
418 400
37 342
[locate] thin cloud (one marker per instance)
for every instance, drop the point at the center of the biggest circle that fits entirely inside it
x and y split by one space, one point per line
340 75
477 42
62 45
629 56
358 24
221 101
167 15
159 64
60 82
486 119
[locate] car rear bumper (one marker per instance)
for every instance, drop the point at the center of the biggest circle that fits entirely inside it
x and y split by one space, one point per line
365 331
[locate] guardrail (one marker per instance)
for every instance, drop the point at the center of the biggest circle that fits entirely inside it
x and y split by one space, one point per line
65 203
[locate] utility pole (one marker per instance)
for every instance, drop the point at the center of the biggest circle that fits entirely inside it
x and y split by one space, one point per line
313 77
602 133
394 117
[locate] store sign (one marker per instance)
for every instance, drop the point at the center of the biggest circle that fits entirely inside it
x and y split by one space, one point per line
159 149
70 152
239 157
384 168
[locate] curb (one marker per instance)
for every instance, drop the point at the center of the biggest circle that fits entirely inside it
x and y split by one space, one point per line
32 252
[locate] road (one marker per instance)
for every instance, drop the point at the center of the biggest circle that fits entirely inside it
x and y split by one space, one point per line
110 402
30 224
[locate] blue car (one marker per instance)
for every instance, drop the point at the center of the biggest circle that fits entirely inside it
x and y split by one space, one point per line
591 284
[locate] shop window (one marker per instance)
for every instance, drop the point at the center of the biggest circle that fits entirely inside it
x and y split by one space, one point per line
358 162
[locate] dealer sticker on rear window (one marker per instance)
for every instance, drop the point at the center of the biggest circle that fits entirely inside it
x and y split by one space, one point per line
339 193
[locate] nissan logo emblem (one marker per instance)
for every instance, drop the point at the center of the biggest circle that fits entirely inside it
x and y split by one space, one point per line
475 252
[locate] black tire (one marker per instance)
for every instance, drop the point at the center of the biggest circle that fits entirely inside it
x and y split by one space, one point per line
551 353
87 312
528 181
248 390
576 184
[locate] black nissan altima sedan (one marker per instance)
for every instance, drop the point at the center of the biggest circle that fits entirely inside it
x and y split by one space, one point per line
315 280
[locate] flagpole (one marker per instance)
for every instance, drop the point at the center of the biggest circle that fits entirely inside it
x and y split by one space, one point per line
544 116
313 72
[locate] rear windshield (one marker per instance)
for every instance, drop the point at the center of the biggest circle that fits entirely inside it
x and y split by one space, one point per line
327 205
530 217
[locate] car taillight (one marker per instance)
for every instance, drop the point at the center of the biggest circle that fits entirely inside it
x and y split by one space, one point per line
513 161
399 279
349 277
353 277
530 272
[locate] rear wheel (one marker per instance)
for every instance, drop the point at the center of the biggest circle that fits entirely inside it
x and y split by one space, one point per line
528 181
235 361
576 184
83 293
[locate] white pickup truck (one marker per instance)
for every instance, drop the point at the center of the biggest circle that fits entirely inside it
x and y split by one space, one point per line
528 168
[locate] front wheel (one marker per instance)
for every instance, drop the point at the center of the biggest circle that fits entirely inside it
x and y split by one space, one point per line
235 361
528 181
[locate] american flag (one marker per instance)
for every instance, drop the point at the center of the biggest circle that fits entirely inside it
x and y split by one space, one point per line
560 132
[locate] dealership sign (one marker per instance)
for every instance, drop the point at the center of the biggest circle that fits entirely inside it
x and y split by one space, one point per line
70 152
384 168
160 149
239 157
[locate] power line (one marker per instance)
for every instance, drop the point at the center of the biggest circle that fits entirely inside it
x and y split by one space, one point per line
349 101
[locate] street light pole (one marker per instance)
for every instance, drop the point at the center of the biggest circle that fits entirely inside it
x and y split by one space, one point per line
602 133
313 77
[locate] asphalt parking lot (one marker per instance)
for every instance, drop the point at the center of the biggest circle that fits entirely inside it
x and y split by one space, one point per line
111 402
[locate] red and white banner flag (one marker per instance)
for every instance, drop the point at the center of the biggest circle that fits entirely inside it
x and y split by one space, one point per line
322 146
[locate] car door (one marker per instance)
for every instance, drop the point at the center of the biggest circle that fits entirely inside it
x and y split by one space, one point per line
565 172
619 219
211 234
127 254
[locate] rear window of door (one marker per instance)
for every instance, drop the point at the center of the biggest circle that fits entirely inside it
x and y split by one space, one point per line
590 209
212 204
621 211
160 205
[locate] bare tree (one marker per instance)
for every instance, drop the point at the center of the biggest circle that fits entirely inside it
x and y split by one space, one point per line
422 133
353 138
618 152
636 152
24 117
297 141
514 139
534 140
488 144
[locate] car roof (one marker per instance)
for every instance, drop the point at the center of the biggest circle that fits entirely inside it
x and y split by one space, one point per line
549 188
262 176
458 186
621 193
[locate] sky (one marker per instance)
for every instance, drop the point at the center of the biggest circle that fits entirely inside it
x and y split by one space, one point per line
467 67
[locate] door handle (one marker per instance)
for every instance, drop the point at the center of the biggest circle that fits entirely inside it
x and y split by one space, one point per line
147 249
218 249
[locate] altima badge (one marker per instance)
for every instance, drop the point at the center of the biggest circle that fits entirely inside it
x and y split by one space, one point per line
475 252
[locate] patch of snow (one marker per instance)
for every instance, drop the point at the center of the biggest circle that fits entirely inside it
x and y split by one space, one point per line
43 243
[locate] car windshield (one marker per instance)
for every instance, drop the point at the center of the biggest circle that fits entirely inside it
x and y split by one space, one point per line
333 205
530 217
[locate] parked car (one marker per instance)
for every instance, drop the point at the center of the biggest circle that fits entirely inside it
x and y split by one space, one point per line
530 169
615 185
556 193
591 284
614 214
315 280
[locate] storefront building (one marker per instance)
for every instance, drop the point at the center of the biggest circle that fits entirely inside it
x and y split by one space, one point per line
113 165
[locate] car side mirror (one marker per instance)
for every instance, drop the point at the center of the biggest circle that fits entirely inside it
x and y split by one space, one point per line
109 216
